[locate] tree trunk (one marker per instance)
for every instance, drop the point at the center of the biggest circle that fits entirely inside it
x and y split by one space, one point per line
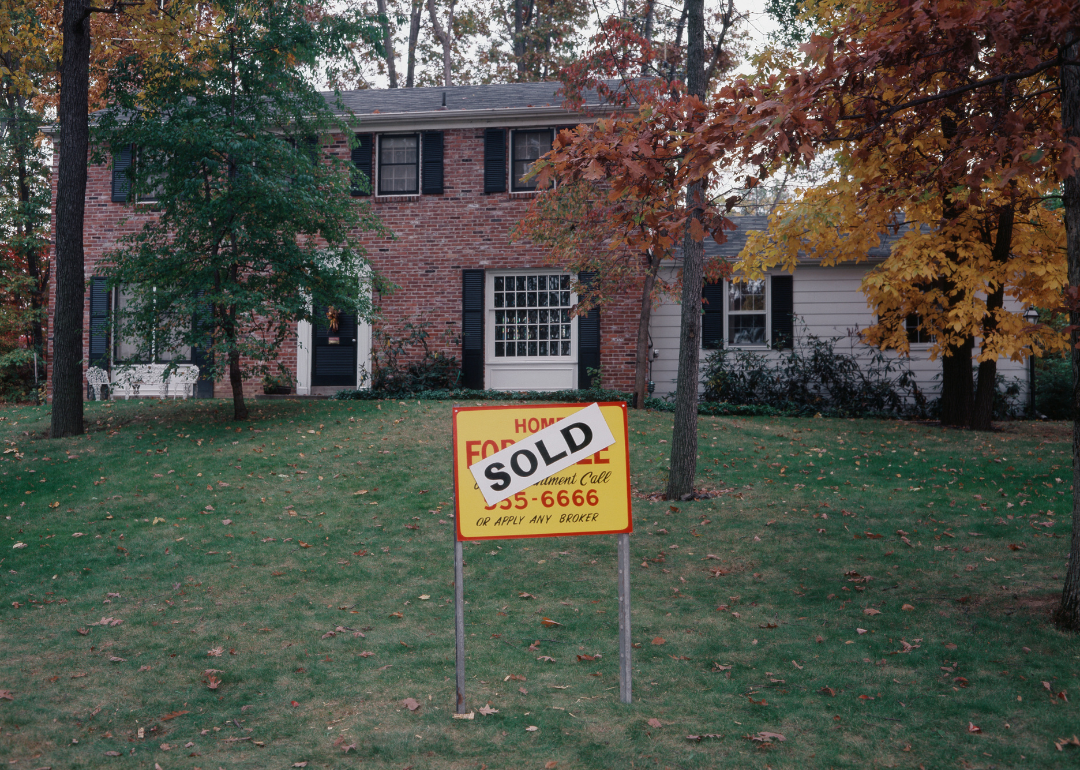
983 410
519 37
684 435
444 37
1067 615
236 380
415 17
957 402
388 42
67 405
642 356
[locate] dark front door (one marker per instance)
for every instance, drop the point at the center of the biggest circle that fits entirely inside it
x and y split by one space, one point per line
333 359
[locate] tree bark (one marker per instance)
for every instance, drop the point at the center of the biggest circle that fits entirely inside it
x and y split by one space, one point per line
1067 615
444 38
67 404
957 402
415 17
641 371
983 410
388 42
684 435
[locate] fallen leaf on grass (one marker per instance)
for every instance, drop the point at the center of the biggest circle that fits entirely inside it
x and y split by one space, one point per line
551 765
871 611
487 710
973 728
526 596
366 654
1061 743
6 695
706 736
828 691
411 704
78 675
549 659
213 682
396 615
216 652
83 631
549 622
767 737
515 677
589 657
115 659
303 544
531 729
860 631
299 764
112 753
340 744
761 702
173 715
907 608
654 722
720 667
424 597
659 640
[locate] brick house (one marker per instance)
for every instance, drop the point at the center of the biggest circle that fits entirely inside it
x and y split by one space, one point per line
445 166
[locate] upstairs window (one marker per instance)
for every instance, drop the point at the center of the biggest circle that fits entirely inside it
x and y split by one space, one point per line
746 313
527 147
399 165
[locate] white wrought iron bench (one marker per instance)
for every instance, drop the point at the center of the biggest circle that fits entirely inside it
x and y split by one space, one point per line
145 381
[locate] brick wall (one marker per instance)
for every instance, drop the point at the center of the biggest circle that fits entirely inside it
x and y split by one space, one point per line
436 237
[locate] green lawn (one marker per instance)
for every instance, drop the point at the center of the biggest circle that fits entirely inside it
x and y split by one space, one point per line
875 592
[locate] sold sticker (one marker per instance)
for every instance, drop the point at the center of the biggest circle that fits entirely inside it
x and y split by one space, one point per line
541 470
542 454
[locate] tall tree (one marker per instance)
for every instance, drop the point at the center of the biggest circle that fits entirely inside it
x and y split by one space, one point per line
913 59
256 224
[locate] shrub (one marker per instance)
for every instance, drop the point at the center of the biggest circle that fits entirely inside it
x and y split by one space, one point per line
815 377
433 371
1053 388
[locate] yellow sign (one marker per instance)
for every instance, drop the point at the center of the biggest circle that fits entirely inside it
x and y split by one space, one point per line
591 497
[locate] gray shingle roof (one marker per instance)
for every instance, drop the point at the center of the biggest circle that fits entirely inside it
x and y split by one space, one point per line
736 239
479 97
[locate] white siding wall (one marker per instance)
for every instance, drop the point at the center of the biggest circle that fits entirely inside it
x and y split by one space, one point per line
829 302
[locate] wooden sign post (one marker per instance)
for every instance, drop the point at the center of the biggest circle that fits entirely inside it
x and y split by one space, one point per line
547 470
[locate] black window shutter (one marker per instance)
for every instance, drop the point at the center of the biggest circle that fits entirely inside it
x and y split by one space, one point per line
121 182
494 160
783 312
472 329
588 338
361 158
99 322
431 154
202 324
712 315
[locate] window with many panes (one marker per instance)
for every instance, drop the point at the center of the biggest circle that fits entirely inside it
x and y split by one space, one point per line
162 346
746 312
527 148
532 315
399 165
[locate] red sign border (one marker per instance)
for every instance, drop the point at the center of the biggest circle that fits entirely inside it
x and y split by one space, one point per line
626 443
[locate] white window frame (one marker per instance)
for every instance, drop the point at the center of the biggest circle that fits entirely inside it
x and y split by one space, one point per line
114 348
376 165
527 372
728 313
510 166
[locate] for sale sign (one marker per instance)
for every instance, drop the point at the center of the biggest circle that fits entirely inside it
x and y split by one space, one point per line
541 471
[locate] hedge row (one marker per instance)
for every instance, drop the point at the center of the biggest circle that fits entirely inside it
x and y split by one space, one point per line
556 396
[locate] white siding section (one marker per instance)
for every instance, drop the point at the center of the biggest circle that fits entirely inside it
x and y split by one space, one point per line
829 303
